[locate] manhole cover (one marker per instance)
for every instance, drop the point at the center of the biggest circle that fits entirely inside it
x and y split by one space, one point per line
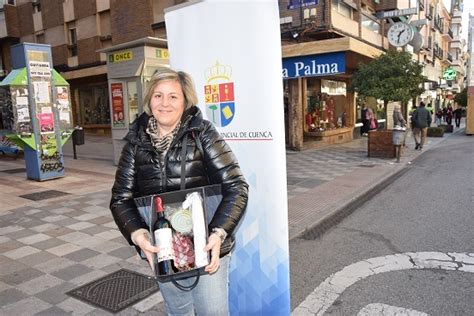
116 291
38 196
11 171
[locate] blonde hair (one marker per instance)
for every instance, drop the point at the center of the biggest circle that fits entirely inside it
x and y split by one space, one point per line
164 74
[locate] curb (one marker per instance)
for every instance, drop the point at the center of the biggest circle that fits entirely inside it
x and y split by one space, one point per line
321 226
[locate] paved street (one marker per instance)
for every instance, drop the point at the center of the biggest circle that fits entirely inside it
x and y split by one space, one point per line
51 246
409 250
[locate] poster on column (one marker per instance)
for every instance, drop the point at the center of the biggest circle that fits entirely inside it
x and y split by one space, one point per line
240 90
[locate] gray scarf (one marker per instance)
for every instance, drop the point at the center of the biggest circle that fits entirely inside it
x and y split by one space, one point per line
161 143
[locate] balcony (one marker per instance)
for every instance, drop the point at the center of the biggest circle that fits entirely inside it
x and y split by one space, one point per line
456 17
345 24
438 51
455 45
438 24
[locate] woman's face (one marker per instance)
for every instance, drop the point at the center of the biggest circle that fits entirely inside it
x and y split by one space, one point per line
167 104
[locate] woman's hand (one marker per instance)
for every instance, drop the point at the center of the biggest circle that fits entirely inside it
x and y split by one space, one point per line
214 245
148 249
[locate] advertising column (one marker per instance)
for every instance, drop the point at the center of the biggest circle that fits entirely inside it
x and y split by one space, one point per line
232 49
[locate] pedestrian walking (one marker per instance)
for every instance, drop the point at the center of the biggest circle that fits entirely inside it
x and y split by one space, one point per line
372 121
151 163
439 117
457 116
421 120
449 115
364 130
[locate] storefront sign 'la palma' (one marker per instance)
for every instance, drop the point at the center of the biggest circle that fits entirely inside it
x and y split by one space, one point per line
314 65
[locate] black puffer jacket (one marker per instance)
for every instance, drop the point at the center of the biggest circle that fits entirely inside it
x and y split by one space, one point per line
140 173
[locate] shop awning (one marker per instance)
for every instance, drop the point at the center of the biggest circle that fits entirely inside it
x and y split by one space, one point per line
18 77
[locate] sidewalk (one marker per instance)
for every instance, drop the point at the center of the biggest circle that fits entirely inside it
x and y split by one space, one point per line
50 246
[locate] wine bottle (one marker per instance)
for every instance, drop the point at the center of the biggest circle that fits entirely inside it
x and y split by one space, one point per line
163 239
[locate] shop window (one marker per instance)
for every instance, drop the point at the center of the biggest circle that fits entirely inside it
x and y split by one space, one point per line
327 106
94 105
132 96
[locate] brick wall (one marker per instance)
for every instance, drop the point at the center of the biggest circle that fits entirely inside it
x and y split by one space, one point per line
52 13
25 15
380 144
12 22
386 5
60 55
85 8
86 50
130 20
321 11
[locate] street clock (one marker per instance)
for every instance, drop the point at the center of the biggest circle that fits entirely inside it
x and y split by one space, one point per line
400 34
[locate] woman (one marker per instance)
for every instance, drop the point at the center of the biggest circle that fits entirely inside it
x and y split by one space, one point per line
150 164
398 117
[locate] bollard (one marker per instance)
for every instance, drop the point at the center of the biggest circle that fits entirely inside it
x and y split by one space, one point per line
77 139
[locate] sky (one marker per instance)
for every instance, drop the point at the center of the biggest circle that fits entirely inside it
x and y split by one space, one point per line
468 7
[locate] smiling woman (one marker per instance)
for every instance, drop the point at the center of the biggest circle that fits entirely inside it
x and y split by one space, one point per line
171 147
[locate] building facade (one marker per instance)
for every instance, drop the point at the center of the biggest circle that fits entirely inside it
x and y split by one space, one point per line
77 30
325 40
322 43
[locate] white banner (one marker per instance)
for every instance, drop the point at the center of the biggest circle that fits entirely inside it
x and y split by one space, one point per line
233 51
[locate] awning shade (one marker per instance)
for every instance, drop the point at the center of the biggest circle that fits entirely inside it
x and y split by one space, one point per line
18 77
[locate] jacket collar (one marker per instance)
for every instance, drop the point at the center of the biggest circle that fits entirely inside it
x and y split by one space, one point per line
191 120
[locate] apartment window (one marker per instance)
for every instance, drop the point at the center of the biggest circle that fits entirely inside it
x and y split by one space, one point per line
72 39
36 6
370 24
342 8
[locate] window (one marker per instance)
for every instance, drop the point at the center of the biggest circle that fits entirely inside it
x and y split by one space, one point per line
370 24
342 8
73 41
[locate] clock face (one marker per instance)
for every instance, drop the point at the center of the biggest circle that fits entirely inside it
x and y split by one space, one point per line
400 34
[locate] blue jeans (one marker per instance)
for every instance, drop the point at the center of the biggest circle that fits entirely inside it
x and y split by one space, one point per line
209 297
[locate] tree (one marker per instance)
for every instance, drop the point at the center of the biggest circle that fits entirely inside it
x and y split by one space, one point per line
393 76
461 98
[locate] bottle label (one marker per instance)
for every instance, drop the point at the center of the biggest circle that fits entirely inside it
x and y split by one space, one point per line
164 240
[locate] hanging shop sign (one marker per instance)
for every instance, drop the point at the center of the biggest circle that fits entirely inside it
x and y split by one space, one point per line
294 4
314 65
449 74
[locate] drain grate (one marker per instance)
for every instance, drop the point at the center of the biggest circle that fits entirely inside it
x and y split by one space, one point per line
366 166
12 171
38 196
116 291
